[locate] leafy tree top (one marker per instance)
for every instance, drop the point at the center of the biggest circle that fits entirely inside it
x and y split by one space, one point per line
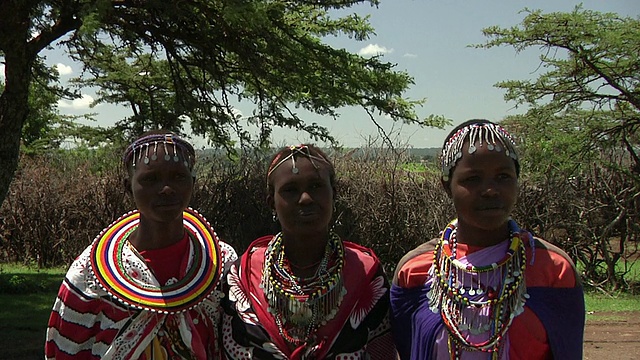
196 58
586 99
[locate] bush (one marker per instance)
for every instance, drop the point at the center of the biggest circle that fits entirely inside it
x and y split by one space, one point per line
56 206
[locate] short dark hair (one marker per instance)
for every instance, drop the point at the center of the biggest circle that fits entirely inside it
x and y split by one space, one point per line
158 136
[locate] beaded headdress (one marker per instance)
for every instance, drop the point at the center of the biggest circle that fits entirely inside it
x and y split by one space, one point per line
293 151
480 134
145 149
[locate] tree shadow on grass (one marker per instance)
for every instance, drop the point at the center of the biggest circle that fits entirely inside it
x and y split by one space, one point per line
26 300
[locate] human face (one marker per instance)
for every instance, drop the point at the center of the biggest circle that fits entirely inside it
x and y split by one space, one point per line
161 189
484 189
302 201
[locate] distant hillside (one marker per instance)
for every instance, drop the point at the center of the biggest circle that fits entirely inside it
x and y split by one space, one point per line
425 153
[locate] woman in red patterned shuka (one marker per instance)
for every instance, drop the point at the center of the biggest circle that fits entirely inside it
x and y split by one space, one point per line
304 293
148 287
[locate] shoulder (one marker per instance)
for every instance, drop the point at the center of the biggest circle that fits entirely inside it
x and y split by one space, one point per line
359 250
413 267
362 254
550 266
227 253
80 270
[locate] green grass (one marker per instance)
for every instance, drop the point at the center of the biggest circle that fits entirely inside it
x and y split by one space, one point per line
599 302
26 295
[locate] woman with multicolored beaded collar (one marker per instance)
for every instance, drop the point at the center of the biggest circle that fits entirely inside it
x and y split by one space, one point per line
486 289
148 287
304 293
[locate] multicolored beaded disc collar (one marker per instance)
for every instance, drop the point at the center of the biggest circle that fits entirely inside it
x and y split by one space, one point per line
109 268
478 303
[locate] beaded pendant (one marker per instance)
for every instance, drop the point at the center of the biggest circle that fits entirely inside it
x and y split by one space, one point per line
301 305
478 303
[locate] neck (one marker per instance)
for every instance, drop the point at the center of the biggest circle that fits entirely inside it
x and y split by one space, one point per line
156 236
305 254
473 236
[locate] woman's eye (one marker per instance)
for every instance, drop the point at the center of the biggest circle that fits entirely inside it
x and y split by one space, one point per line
471 179
148 179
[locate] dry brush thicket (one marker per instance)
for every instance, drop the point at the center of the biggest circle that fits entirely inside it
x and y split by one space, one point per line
54 210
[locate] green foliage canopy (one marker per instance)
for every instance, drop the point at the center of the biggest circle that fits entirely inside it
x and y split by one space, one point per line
589 97
201 54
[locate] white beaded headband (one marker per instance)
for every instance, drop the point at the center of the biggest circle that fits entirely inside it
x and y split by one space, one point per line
145 150
495 137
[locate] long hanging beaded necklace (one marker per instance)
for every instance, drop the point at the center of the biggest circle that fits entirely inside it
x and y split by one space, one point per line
300 305
478 302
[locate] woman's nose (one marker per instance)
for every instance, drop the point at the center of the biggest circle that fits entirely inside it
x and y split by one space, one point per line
490 188
305 197
166 189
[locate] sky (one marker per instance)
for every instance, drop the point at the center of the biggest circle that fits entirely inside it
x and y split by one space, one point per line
429 39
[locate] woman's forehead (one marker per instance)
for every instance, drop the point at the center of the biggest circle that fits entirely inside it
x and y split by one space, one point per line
301 168
467 140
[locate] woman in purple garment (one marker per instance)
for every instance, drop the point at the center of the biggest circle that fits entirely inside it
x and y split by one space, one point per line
485 288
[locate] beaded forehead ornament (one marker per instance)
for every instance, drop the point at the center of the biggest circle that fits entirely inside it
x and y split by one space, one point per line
495 137
295 150
145 149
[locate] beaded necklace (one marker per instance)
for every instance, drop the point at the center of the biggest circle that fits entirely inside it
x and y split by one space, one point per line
478 301
300 305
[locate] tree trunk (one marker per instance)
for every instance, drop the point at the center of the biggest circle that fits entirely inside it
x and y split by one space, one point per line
14 105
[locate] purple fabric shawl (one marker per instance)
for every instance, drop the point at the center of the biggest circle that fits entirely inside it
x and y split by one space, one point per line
561 311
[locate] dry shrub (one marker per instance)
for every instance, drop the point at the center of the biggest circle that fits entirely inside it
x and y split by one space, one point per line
385 207
54 209
232 196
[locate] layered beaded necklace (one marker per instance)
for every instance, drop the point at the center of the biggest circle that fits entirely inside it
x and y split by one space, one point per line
478 303
300 305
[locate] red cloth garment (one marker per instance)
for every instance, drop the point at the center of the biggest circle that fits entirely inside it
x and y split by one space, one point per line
167 262
361 326
89 323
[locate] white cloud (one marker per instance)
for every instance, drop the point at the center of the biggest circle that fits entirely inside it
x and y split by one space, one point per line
410 55
63 69
374 49
82 103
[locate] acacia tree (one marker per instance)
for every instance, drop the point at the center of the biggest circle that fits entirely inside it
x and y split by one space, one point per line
580 132
267 52
593 62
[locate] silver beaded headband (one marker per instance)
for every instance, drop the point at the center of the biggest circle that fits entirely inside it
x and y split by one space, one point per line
494 136
295 150
145 149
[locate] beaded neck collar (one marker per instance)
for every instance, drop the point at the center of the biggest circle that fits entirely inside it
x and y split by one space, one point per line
115 276
300 305
478 301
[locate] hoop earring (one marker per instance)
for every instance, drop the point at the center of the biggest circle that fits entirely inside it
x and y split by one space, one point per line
274 217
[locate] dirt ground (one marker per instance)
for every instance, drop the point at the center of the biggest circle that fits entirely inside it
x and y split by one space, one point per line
612 336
